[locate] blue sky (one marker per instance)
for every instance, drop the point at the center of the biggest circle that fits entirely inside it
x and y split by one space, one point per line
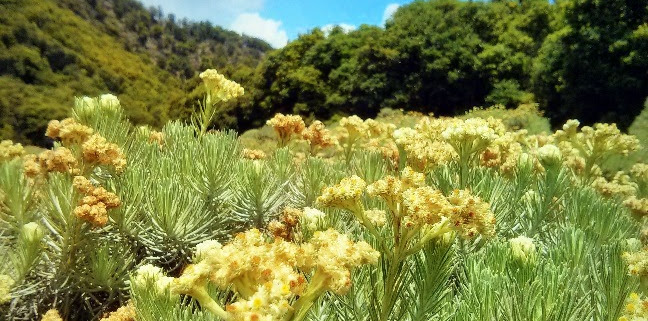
279 21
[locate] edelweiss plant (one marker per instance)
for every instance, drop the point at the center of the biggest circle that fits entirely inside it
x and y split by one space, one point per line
403 218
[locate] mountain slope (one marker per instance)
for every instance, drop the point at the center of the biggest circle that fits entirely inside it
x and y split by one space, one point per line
49 54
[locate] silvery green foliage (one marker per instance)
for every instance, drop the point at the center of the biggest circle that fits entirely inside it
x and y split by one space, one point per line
197 187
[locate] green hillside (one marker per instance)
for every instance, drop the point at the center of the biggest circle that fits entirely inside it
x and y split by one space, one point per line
50 53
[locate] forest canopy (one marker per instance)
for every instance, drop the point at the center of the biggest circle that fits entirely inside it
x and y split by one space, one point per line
584 59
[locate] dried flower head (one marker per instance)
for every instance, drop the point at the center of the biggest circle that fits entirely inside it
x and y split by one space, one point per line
94 206
355 127
156 137
98 150
125 313
52 315
621 185
109 101
470 215
637 263
31 166
286 126
345 195
253 154
9 150
69 131
638 206
312 217
318 136
423 149
424 205
377 217
60 159
149 274
636 308
549 154
591 146
220 87
470 136
332 256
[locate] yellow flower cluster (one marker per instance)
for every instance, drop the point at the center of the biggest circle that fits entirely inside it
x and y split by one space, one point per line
318 136
621 185
636 308
267 276
377 217
69 131
345 195
286 126
332 256
523 248
220 87
156 137
94 206
52 315
253 154
97 149
638 206
312 217
472 135
637 262
6 282
286 226
424 206
639 173
355 127
584 150
422 148
9 150
417 205
125 313
504 152
470 215
60 159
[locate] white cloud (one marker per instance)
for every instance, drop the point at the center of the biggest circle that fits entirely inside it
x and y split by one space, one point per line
389 12
219 12
345 26
252 24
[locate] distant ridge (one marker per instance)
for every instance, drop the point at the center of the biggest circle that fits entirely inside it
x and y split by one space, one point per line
51 51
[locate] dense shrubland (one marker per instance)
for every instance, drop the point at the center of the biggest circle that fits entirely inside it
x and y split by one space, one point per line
51 51
582 59
405 217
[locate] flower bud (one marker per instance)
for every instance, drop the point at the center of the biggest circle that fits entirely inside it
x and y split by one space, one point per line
523 249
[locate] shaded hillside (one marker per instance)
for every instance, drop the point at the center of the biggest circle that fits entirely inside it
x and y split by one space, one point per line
49 53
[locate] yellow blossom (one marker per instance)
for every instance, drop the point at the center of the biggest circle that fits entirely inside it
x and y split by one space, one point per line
52 315
125 313
355 127
6 282
636 308
345 195
219 87
470 215
69 131
253 154
286 126
318 136
638 206
332 256
94 206
98 150
9 150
